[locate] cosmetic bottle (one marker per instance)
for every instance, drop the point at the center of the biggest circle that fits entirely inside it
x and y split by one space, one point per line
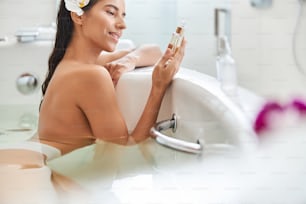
177 37
226 69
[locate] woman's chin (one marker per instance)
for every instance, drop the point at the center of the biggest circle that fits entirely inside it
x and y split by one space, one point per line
110 48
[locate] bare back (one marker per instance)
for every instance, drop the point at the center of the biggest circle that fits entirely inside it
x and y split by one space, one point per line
62 121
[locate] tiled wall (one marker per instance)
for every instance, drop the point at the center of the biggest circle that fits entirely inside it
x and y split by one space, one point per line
148 22
261 38
20 58
262 45
201 47
16 14
154 21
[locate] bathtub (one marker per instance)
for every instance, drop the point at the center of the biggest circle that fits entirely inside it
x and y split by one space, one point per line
204 115
19 111
231 168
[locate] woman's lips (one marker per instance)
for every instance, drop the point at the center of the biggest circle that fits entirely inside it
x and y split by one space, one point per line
116 36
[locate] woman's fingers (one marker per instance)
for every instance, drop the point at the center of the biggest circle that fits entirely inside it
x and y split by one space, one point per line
181 51
176 60
165 58
168 66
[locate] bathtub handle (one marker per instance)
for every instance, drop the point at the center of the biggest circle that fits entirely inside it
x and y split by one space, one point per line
171 142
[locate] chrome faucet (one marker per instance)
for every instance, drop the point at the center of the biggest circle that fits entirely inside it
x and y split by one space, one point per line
27 83
226 30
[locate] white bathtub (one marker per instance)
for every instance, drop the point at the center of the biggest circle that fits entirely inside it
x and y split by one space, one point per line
117 174
19 112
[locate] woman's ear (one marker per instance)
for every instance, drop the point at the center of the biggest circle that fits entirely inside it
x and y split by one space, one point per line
76 18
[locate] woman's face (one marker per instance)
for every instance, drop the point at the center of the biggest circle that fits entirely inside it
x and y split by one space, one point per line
104 22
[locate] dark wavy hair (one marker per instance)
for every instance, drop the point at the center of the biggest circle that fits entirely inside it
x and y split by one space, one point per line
63 37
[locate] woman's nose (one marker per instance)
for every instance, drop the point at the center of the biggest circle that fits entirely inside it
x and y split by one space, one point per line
121 23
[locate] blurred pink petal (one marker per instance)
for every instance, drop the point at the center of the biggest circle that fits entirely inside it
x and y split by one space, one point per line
262 123
299 105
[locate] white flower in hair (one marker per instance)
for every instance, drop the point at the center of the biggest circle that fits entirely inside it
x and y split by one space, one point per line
76 6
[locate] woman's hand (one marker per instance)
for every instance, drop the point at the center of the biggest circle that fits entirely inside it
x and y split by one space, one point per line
167 67
118 67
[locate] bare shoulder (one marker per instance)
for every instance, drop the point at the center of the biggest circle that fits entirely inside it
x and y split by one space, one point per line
83 75
93 87
92 72
81 79
97 78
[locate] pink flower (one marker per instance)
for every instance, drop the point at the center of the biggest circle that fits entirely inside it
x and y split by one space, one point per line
300 106
262 120
273 115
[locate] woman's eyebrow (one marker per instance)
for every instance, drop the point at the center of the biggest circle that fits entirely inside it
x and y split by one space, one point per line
115 7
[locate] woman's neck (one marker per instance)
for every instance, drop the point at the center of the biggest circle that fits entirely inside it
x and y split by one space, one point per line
82 51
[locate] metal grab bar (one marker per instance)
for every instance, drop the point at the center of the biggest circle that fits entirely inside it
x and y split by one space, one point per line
171 142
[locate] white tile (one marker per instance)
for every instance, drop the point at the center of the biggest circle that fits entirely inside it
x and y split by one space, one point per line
269 32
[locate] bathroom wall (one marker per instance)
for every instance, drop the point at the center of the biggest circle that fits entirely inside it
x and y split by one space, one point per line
155 20
262 46
17 14
261 38
200 54
148 21
19 58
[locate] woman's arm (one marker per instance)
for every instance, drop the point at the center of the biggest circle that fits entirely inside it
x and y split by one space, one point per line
122 61
101 108
147 55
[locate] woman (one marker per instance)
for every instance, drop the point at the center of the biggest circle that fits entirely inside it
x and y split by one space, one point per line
79 104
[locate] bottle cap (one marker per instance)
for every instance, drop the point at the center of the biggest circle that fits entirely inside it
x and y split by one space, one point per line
181 27
224 44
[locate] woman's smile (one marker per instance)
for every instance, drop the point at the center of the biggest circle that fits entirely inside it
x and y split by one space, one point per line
115 35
